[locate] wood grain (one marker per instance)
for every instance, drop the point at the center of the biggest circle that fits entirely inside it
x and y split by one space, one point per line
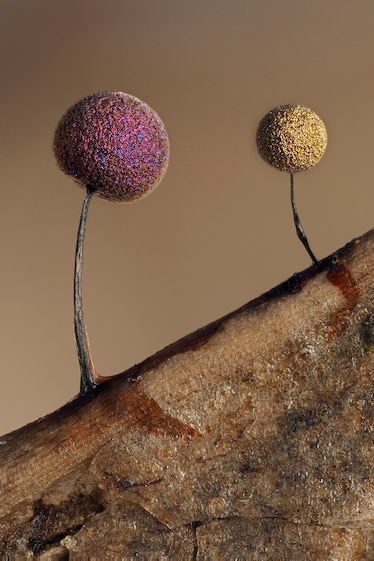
251 438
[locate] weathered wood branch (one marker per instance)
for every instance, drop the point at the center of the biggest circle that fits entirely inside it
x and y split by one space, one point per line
249 439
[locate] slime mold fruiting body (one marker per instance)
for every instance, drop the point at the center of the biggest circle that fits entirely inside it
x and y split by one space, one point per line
116 147
113 143
292 138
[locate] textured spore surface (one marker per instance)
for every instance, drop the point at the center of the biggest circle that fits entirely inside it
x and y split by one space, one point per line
291 138
113 143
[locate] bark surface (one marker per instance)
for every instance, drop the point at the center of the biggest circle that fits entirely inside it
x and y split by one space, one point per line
251 438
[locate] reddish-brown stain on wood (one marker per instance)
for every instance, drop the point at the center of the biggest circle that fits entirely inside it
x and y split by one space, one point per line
342 278
144 412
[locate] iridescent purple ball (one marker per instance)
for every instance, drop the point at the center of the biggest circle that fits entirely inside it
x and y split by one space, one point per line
114 144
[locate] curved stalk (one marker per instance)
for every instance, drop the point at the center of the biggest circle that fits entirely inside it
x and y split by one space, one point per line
87 368
299 229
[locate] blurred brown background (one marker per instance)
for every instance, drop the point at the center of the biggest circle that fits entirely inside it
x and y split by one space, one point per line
218 231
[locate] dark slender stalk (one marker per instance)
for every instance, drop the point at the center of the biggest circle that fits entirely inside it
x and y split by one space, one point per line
88 372
299 229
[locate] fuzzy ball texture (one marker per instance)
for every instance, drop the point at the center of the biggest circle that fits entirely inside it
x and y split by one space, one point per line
114 144
291 138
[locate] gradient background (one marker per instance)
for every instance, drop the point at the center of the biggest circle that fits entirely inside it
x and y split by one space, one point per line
218 231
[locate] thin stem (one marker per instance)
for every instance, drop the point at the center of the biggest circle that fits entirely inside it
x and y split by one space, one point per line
88 372
299 229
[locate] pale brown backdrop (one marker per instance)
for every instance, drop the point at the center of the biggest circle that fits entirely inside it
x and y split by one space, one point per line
218 231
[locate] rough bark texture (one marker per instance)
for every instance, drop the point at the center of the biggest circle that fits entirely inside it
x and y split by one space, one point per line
249 439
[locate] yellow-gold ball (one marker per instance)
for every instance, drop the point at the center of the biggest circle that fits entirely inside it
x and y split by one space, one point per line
291 138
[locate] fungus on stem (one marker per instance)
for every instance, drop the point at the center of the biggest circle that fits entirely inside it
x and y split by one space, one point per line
292 138
115 146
